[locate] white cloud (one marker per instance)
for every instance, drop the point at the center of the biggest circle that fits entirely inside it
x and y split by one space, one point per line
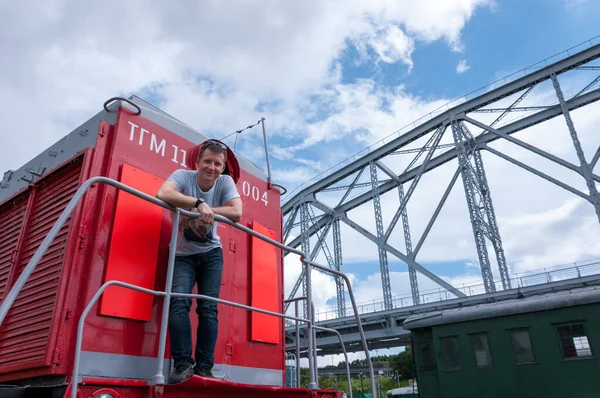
295 175
212 65
64 62
462 66
392 45
430 20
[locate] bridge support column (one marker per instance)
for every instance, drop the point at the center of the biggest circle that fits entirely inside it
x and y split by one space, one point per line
412 272
337 258
304 232
479 202
383 260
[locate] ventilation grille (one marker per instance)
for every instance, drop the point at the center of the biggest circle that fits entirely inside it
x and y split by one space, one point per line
25 335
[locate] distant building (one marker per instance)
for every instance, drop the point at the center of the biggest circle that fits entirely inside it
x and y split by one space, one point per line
540 345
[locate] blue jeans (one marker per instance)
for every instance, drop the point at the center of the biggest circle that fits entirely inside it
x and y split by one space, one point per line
205 269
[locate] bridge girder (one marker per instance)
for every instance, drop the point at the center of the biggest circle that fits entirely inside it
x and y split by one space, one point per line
481 210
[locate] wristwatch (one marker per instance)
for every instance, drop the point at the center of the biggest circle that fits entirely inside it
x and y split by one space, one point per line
198 202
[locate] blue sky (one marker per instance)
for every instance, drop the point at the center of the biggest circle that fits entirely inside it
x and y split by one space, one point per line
330 78
497 41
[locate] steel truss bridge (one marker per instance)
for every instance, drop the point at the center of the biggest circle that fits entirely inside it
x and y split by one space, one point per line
456 134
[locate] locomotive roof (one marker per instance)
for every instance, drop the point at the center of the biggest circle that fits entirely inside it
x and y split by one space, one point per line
85 135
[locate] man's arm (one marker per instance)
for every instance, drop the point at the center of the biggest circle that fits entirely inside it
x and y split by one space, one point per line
231 210
169 192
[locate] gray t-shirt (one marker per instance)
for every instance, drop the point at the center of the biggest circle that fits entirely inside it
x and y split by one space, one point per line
202 237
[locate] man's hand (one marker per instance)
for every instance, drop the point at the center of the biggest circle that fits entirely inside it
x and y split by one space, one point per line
186 222
206 213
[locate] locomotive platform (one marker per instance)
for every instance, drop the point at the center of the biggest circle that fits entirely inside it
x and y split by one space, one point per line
194 387
200 387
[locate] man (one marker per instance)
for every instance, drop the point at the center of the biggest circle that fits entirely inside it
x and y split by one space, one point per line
199 256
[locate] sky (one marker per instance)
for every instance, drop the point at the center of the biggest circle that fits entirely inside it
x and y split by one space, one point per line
330 78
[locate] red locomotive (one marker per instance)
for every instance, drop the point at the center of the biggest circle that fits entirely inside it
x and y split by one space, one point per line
113 235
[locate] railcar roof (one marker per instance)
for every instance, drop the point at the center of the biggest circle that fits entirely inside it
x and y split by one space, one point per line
525 304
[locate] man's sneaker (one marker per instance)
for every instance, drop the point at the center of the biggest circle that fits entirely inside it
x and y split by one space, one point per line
203 371
182 371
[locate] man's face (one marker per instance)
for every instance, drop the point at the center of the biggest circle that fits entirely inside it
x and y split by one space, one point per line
210 166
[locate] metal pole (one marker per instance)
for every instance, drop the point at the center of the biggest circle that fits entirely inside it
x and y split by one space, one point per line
266 150
297 346
313 384
356 316
345 354
314 336
437 211
159 377
296 310
75 377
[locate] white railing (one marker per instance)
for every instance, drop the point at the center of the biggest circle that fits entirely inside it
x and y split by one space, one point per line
554 274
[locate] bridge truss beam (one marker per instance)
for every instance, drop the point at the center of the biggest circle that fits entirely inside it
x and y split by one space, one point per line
481 101
383 260
466 151
479 202
339 284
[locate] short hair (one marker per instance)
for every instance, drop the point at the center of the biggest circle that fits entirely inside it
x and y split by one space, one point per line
213 146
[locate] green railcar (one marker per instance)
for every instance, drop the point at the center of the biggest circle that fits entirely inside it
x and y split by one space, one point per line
540 345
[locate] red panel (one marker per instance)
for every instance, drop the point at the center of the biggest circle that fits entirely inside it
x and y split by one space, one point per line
133 248
264 287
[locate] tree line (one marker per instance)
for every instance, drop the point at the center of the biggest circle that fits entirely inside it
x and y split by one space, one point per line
400 369
401 363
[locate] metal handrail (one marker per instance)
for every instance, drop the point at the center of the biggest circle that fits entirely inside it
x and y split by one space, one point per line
161 350
294 378
343 349
296 300
308 265
356 315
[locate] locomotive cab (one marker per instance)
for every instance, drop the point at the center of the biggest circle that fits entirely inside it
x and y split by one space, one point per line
114 235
